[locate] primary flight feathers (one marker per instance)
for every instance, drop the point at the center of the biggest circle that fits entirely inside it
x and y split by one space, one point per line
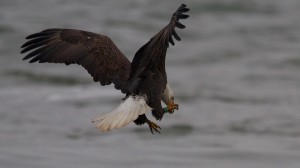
95 52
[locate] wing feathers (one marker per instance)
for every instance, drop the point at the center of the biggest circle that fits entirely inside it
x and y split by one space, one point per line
34 41
95 52
34 53
34 45
155 50
176 35
171 40
183 8
179 14
179 25
182 16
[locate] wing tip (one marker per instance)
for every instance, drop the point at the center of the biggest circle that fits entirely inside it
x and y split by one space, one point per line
183 7
179 14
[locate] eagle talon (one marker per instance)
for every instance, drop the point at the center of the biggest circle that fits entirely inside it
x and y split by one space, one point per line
172 106
153 126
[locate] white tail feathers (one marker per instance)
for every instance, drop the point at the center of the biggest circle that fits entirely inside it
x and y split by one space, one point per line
125 113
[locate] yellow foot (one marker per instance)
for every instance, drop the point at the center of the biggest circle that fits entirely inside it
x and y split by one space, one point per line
153 126
172 106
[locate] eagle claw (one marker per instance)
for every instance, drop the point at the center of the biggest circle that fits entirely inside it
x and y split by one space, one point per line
153 126
172 106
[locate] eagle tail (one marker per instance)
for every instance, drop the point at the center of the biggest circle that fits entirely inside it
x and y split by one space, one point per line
125 113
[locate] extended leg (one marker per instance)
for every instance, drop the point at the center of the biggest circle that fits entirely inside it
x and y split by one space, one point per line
171 107
153 126
142 119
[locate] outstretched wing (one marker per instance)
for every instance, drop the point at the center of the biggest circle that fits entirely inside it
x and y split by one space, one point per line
95 52
148 74
154 51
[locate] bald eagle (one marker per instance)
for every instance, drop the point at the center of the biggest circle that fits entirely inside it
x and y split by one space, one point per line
144 80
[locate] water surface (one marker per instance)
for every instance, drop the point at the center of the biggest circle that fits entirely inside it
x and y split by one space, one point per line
235 75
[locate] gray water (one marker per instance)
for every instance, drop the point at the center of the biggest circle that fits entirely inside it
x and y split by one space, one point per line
235 75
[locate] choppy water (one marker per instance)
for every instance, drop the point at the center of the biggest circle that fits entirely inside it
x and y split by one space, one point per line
235 75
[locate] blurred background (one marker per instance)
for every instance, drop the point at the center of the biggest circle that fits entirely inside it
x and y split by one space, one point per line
235 75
